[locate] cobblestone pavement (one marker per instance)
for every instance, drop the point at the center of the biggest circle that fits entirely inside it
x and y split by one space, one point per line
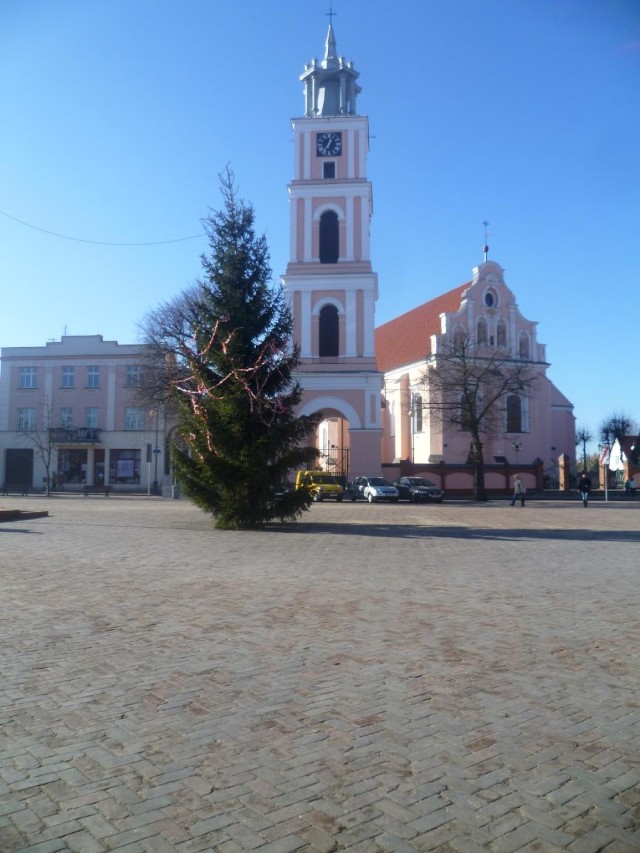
375 678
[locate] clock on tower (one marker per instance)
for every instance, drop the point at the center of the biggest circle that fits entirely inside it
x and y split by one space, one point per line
329 144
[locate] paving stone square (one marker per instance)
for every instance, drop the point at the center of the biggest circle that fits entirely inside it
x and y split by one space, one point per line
460 677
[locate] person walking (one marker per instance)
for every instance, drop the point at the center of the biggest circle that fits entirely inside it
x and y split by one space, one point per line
519 491
584 487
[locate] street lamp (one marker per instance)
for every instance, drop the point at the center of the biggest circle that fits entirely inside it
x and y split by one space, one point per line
517 446
156 451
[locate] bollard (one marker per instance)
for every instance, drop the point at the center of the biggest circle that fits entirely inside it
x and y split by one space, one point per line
175 491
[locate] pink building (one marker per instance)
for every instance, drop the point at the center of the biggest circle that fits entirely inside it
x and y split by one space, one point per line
537 423
329 283
75 400
366 381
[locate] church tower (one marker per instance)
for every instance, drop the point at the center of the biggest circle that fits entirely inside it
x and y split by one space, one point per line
329 282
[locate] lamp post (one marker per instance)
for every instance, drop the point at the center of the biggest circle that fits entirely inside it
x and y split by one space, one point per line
156 451
517 446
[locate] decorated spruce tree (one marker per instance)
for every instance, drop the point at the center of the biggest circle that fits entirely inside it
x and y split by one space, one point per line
222 354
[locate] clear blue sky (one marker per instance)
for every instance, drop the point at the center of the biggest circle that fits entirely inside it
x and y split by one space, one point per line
117 116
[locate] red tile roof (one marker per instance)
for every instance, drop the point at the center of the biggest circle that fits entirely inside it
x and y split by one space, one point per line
408 338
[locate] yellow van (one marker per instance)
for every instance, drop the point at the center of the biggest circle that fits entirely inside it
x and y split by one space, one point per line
321 484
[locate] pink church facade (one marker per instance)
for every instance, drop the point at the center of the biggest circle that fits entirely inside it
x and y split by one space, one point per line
536 424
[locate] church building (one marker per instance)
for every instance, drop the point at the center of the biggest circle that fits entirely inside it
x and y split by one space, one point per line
536 423
368 383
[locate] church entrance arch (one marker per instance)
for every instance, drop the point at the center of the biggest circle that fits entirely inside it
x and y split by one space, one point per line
332 437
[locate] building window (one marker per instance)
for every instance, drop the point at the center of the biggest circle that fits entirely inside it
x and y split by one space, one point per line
482 331
469 406
68 377
459 339
72 466
329 169
66 417
93 377
490 299
514 413
329 332
523 345
91 417
329 237
133 376
417 412
124 466
501 332
133 418
28 377
26 419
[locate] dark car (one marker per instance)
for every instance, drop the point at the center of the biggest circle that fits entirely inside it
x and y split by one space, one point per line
416 489
373 489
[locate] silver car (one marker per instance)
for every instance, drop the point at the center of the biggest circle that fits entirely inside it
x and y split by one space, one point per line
373 489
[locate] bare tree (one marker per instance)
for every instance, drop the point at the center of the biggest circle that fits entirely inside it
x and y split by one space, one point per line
467 387
168 332
583 437
617 426
42 437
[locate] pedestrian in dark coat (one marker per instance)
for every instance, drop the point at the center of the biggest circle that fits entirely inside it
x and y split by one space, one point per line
584 487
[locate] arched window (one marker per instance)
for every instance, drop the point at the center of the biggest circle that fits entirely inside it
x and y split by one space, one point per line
501 333
482 331
329 332
329 237
459 339
417 412
466 413
523 345
514 413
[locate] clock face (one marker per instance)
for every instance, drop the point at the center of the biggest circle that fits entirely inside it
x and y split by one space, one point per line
329 144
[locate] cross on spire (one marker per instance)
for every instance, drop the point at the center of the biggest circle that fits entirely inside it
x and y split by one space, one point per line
331 14
486 240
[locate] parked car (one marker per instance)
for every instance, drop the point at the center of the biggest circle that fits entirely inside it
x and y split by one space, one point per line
373 489
321 485
416 489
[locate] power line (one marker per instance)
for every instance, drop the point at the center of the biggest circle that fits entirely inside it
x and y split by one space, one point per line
98 242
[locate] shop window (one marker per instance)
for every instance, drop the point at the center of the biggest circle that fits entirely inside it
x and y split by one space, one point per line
72 466
124 466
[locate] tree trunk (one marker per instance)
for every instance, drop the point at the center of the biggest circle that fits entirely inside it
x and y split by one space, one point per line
477 459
